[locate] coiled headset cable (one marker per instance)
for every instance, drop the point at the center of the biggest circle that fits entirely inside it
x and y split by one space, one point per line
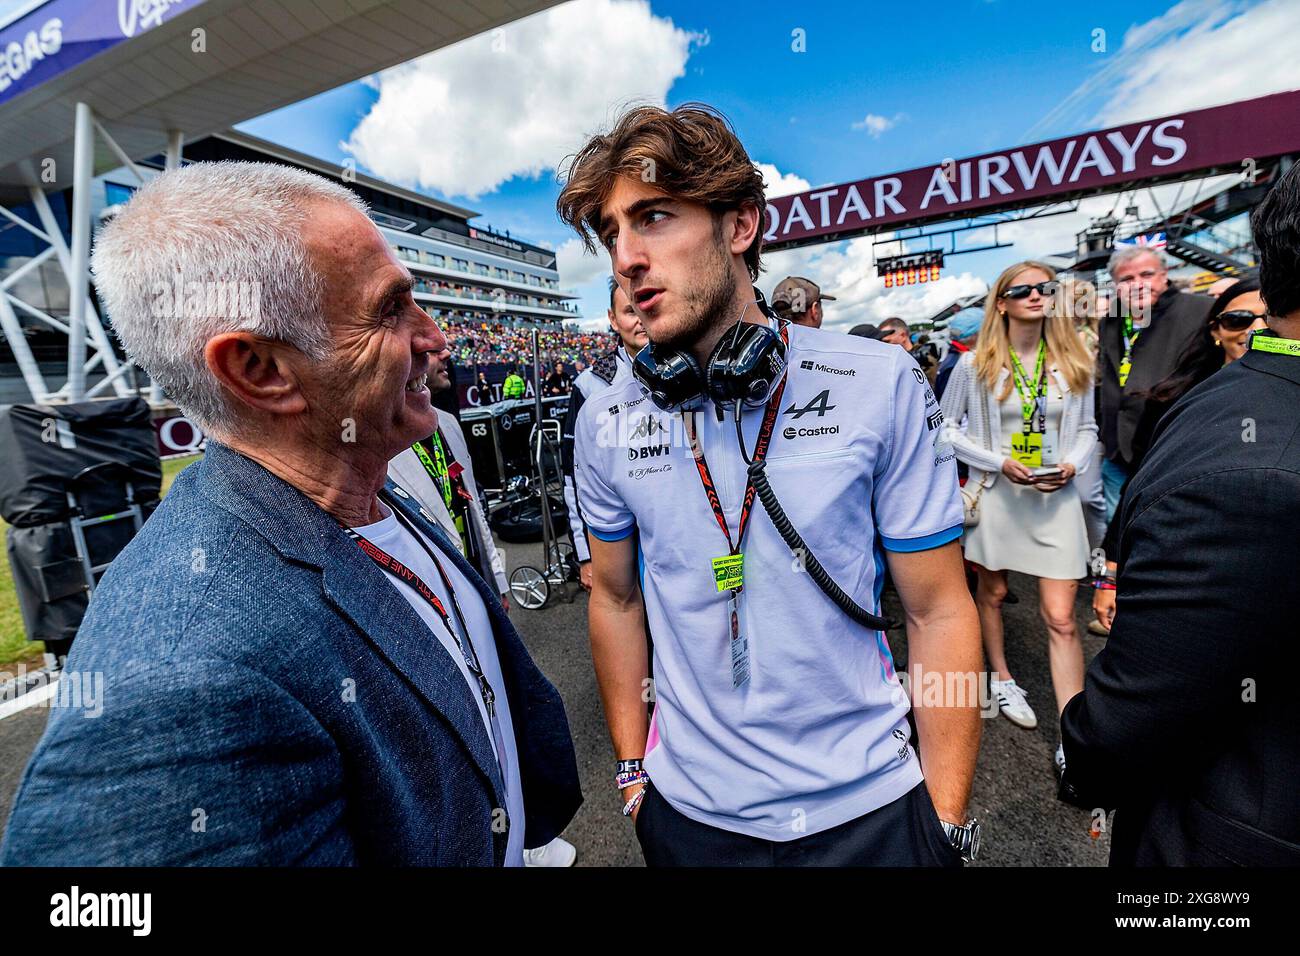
790 535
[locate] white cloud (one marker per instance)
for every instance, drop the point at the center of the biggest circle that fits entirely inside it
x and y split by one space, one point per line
576 266
847 270
1196 54
516 101
776 183
1227 54
875 125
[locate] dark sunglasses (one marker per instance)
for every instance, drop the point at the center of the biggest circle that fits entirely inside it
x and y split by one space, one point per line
1045 289
1237 319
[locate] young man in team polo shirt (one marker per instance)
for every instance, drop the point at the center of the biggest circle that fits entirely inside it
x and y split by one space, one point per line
780 734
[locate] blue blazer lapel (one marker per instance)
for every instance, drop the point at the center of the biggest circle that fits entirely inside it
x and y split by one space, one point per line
359 590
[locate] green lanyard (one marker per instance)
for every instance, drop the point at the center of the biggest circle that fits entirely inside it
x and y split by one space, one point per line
436 466
1275 344
1031 394
1130 339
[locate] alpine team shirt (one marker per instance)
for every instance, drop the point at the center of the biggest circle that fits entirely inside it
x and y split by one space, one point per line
817 735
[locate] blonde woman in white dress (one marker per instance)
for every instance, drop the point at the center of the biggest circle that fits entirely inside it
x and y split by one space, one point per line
1019 412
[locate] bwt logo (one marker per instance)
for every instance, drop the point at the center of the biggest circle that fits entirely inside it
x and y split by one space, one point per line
649 451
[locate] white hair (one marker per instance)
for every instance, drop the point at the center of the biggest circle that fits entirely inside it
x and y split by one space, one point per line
1123 254
206 249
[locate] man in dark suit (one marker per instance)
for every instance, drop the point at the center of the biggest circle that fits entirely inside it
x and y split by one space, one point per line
1188 723
298 665
1138 350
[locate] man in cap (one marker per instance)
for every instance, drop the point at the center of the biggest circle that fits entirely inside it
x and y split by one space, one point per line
799 300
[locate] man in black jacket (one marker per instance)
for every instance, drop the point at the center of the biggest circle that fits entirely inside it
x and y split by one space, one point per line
1187 722
1138 350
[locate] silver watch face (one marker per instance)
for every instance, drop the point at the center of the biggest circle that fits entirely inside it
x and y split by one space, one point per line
974 839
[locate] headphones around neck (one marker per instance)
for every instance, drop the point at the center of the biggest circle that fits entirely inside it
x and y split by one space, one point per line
746 365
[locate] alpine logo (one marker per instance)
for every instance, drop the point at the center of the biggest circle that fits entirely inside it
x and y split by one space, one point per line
808 365
793 432
820 405
649 451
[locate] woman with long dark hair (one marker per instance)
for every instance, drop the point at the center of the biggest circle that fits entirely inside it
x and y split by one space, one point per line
1223 339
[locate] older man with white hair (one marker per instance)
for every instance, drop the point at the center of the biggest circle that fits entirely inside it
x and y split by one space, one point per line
1139 347
300 667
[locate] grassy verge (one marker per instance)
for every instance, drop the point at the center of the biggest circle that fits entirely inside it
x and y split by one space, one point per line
14 646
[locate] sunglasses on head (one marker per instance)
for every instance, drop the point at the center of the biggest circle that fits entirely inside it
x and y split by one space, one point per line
1045 289
1237 319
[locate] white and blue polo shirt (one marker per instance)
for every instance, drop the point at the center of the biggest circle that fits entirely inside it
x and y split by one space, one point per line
817 735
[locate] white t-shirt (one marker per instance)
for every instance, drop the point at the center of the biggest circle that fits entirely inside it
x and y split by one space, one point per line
817 735
389 535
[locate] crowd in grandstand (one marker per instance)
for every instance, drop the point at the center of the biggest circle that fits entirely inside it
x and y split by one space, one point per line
476 340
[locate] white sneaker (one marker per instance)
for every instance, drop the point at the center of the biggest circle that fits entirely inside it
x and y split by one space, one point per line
1012 703
559 852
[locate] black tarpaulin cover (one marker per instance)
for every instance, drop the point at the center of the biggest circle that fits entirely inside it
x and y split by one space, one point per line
43 446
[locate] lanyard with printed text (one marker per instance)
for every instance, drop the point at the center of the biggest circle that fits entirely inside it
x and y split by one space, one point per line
1130 339
436 466
1033 395
408 577
446 477
729 571
1260 342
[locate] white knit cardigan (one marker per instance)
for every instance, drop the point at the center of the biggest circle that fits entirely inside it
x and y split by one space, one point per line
972 421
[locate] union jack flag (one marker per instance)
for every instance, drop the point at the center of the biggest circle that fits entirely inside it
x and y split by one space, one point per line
1155 240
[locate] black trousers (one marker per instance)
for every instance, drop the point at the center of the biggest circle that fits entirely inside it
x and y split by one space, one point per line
903 833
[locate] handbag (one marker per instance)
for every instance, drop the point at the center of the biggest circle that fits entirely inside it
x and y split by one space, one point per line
970 503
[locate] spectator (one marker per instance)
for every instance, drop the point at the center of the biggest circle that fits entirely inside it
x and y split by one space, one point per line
558 382
1078 300
1010 427
867 331
1235 313
268 677
895 331
607 371
963 330
1187 725
1138 350
800 300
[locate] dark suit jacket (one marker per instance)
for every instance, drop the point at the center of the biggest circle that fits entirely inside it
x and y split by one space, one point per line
1175 318
1189 722
271 698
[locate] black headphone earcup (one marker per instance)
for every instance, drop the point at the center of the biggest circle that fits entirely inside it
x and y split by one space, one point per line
671 379
745 365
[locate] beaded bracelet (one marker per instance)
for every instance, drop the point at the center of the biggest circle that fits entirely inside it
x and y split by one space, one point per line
630 807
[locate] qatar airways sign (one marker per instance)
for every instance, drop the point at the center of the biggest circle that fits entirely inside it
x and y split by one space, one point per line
1222 137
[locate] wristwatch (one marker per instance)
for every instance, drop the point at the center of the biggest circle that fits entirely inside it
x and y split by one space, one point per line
964 839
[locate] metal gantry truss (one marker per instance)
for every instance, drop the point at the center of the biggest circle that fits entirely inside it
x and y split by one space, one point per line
974 223
89 347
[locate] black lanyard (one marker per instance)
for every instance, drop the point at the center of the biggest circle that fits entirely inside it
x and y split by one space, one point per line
408 577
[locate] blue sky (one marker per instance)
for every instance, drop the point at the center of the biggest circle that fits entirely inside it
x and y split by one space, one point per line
877 87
